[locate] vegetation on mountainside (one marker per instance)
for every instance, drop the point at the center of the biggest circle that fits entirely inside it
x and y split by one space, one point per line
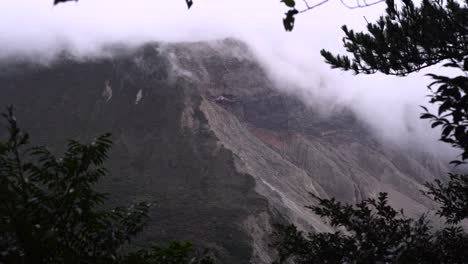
403 41
50 211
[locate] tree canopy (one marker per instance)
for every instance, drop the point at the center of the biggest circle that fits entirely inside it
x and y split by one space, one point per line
370 232
412 38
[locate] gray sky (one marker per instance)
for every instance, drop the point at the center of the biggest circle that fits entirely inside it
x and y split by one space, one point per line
388 104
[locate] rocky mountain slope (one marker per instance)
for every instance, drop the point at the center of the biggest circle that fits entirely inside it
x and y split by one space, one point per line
201 129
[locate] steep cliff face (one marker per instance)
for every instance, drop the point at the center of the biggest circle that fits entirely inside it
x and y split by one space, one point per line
201 129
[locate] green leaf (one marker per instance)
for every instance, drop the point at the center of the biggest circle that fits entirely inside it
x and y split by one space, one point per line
437 123
444 107
427 116
289 3
62 1
189 3
459 132
288 21
447 131
456 162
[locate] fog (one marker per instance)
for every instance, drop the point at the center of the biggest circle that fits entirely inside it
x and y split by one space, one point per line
389 105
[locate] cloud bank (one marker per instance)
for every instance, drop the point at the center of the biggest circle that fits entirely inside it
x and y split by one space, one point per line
389 105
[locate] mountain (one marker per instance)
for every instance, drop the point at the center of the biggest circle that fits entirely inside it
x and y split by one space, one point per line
201 129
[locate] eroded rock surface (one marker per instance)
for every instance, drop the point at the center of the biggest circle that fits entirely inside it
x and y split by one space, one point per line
201 129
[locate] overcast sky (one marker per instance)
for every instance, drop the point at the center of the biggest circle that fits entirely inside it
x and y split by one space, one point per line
388 104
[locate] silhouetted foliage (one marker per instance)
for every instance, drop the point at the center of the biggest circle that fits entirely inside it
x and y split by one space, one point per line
408 40
370 232
51 213
453 197
401 42
63 1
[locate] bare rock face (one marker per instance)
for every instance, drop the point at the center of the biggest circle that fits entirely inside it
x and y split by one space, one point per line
202 130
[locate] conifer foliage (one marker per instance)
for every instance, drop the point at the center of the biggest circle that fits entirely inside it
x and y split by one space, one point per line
412 38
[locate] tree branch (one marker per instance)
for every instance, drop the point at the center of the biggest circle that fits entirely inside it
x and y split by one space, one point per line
358 5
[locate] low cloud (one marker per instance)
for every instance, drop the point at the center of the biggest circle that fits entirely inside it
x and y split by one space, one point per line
389 105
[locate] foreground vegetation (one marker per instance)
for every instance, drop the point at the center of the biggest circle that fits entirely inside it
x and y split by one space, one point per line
50 211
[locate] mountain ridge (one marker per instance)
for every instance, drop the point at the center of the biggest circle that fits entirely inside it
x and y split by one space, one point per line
202 129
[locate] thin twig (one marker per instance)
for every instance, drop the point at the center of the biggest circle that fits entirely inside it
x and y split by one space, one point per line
365 19
359 5
309 7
